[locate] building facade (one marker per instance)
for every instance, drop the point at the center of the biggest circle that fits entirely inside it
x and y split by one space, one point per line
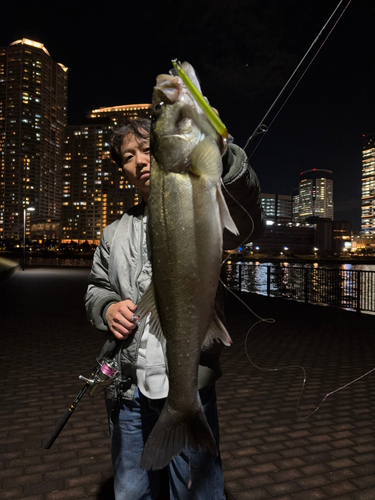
332 237
363 243
368 185
277 208
95 192
115 113
33 112
277 240
315 198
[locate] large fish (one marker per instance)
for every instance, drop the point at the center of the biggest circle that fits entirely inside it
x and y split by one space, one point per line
187 214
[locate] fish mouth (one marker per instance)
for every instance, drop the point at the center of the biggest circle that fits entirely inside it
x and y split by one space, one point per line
168 88
196 138
174 136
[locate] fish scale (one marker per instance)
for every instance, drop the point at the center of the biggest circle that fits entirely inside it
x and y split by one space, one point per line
187 214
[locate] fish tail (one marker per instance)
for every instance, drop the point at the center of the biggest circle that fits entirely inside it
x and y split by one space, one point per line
173 430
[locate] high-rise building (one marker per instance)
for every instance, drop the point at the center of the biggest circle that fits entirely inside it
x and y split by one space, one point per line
368 185
315 197
95 192
277 208
295 206
130 111
33 111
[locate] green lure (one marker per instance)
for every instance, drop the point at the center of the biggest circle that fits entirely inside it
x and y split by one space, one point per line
213 118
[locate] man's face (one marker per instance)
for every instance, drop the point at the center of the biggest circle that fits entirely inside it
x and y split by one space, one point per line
135 154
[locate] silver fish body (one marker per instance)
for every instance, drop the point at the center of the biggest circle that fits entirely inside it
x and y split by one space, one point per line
187 213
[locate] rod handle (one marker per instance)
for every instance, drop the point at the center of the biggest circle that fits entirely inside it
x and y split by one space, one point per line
56 431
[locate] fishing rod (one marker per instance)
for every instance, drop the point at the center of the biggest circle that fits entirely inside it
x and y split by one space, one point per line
261 129
102 375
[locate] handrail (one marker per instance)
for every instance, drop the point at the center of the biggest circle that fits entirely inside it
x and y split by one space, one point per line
344 288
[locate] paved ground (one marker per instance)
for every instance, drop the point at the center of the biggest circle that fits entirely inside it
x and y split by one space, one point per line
270 449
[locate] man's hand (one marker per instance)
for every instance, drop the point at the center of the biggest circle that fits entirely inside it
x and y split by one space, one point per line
119 318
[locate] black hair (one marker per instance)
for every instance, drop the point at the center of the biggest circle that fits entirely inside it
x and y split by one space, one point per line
139 127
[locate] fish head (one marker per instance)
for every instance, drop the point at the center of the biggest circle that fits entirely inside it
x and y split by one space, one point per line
178 123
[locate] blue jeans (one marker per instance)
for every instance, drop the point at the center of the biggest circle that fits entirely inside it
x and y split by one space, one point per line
130 424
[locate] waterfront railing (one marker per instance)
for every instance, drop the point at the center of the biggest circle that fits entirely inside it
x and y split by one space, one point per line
59 261
344 288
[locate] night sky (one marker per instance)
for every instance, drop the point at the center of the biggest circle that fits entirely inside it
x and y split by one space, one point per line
244 52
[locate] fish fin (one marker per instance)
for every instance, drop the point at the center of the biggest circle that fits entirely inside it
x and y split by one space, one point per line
147 305
217 331
225 216
189 70
206 159
172 431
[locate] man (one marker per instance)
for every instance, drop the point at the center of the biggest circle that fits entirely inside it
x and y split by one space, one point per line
120 275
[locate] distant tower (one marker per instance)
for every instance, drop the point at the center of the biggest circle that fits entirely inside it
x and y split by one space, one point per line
95 192
315 197
368 185
33 110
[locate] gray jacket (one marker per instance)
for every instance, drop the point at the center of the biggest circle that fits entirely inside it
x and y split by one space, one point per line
122 270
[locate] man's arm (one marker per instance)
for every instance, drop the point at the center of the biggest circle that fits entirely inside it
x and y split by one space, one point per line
100 295
105 309
242 183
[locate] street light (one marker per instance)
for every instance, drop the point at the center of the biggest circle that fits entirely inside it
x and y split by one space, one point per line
25 209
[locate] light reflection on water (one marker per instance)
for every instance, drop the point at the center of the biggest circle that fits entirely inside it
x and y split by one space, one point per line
247 276
335 284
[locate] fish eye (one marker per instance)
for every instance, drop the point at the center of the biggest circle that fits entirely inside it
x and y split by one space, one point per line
159 106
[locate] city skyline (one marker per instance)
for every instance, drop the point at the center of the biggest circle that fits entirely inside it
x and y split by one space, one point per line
95 191
33 111
243 55
92 189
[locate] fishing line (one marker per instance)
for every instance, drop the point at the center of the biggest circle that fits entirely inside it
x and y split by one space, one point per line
272 320
337 390
262 128
260 319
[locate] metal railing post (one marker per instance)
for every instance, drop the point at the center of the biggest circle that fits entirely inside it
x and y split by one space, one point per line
347 289
358 291
306 273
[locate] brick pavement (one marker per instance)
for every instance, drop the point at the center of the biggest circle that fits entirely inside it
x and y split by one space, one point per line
270 449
